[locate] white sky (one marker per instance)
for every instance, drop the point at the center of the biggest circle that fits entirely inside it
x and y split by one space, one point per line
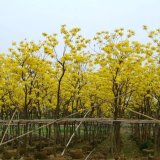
21 19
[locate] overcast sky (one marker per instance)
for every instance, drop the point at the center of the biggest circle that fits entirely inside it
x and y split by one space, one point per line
21 19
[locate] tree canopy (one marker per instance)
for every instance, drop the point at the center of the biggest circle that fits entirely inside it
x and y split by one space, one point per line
67 72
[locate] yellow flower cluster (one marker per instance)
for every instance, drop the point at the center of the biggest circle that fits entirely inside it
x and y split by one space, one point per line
48 50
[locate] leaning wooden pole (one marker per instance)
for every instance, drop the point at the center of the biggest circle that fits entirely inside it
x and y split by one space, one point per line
11 140
90 154
8 126
144 115
74 133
